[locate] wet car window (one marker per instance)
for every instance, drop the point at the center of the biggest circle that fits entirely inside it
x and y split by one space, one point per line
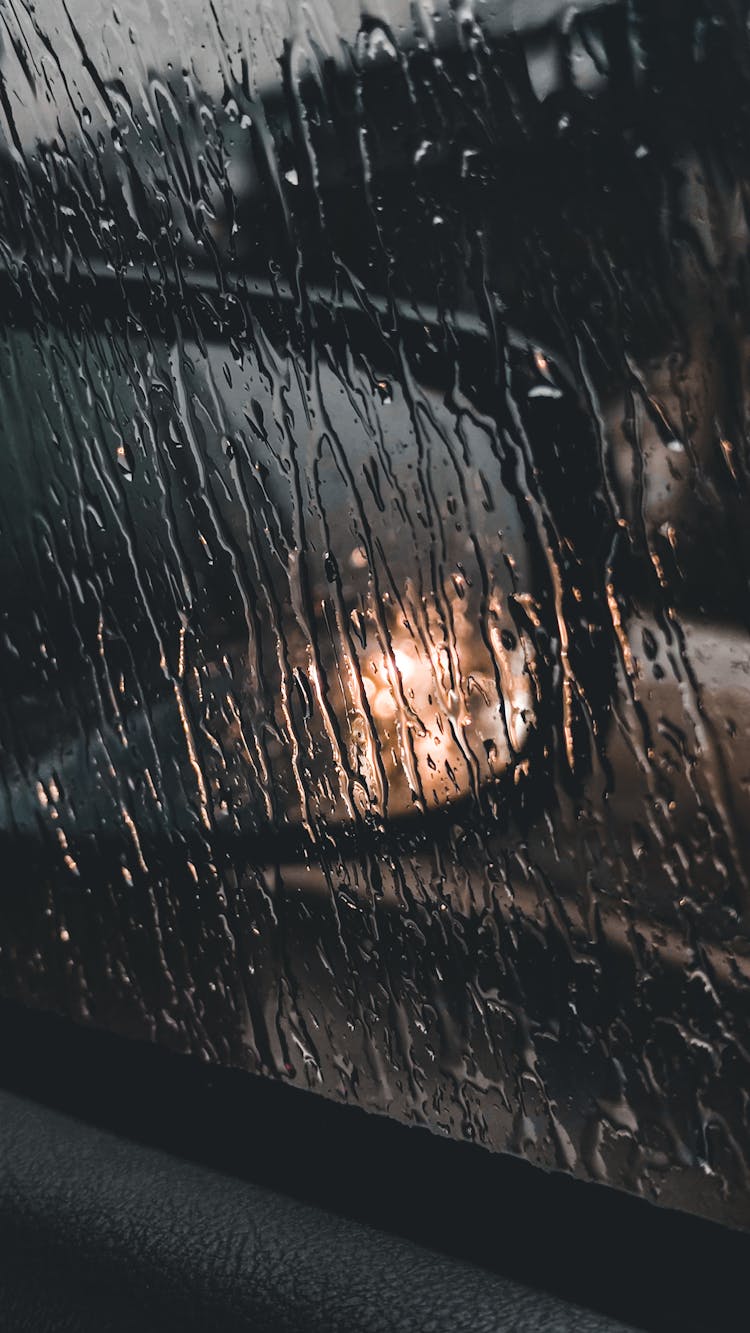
374 554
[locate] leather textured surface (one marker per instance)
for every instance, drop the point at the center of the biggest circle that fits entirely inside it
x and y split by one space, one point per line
99 1233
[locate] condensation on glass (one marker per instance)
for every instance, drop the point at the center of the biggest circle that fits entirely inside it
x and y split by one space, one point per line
374 659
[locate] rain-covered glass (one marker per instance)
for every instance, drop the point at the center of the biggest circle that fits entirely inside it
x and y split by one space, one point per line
374 552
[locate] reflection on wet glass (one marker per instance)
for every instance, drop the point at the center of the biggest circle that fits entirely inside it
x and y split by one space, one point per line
374 645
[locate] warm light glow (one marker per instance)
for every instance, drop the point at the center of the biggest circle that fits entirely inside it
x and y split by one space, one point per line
447 717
